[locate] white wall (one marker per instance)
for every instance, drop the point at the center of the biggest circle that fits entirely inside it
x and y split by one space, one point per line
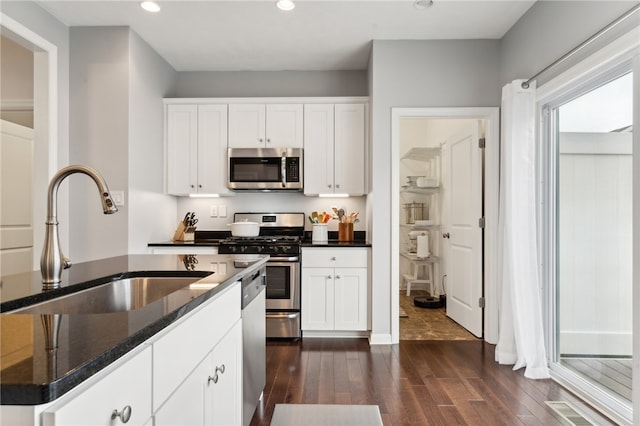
16 81
450 73
151 212
267 202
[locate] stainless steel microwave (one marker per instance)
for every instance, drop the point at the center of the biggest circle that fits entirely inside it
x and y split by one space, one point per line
266 169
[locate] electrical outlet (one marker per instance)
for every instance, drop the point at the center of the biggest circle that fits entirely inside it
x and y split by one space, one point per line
118 198
222 210
213 211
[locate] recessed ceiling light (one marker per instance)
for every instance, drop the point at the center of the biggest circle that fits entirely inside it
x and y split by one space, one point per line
422 4
285 5
150 6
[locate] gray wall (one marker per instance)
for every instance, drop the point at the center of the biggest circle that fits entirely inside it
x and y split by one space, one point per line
118 83
270 83
450 73
152 214
99 111
550 29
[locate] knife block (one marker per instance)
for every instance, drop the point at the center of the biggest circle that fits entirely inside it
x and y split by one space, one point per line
184 232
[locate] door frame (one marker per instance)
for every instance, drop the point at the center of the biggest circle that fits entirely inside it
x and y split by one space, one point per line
45 123
491 115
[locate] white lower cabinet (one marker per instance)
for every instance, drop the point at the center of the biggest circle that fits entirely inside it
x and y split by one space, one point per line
209 395
334 289
123 394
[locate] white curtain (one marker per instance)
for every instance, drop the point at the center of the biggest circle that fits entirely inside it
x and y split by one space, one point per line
521 335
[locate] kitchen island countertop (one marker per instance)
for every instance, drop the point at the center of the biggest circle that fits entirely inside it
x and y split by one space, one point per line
31 375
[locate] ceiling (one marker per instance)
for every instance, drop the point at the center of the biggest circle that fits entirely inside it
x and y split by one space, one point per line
216 35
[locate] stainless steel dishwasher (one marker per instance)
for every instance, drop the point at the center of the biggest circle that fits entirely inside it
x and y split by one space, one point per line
253 341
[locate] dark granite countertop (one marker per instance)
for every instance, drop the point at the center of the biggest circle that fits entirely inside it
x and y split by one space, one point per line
31 375
336 243
202 238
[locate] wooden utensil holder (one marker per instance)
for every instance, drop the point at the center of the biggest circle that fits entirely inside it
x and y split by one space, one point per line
345 231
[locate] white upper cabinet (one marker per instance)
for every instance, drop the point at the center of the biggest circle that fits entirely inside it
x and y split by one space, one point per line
335 148
265 125
196 149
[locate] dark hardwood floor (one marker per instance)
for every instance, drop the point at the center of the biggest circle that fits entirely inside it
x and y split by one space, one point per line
413 383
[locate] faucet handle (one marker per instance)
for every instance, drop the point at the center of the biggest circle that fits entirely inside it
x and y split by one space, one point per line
66 262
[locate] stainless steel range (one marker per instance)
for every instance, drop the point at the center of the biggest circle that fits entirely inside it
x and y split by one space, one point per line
280 237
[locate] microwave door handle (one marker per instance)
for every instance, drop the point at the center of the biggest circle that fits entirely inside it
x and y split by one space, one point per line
283 170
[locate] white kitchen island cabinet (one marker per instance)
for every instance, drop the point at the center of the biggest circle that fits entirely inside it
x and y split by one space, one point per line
334 291
265 125
209 395
335 140
196 154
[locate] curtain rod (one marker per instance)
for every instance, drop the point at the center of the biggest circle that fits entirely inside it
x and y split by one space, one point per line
634 9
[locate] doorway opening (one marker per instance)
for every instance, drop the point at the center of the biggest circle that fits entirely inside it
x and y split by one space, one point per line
45 123
430 204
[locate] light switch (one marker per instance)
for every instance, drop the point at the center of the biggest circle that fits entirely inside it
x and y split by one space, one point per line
118 197
222 210
213 211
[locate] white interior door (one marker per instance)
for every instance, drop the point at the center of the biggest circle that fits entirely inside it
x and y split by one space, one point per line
16 230
464 197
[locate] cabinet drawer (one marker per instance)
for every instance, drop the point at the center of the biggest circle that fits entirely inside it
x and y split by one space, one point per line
127 385
334 258
200 332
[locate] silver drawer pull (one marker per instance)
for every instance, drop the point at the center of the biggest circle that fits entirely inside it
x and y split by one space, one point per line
124 415
215 377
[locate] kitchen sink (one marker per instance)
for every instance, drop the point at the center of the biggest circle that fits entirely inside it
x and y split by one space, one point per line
124 294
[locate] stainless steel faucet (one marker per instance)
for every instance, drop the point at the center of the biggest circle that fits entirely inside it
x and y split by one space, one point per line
53 261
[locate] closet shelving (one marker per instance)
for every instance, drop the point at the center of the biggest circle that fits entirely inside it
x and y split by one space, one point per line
430 195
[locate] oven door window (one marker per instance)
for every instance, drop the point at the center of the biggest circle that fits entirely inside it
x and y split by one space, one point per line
256 169
278 282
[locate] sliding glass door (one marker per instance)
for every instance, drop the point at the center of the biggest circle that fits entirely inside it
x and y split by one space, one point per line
589 133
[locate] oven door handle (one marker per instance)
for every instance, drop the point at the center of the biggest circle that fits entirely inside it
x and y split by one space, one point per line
289 315
283 259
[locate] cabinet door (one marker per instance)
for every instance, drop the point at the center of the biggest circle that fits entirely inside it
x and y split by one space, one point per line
350 300
224 390
350 153
284 126
186 406
247 125
318 149
182 149
212 149
128 385
317 299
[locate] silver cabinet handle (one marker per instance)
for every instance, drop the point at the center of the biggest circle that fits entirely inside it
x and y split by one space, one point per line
215 377
337 185
329 186
124 415
333 258
445 235
337 277
268 140
260 140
